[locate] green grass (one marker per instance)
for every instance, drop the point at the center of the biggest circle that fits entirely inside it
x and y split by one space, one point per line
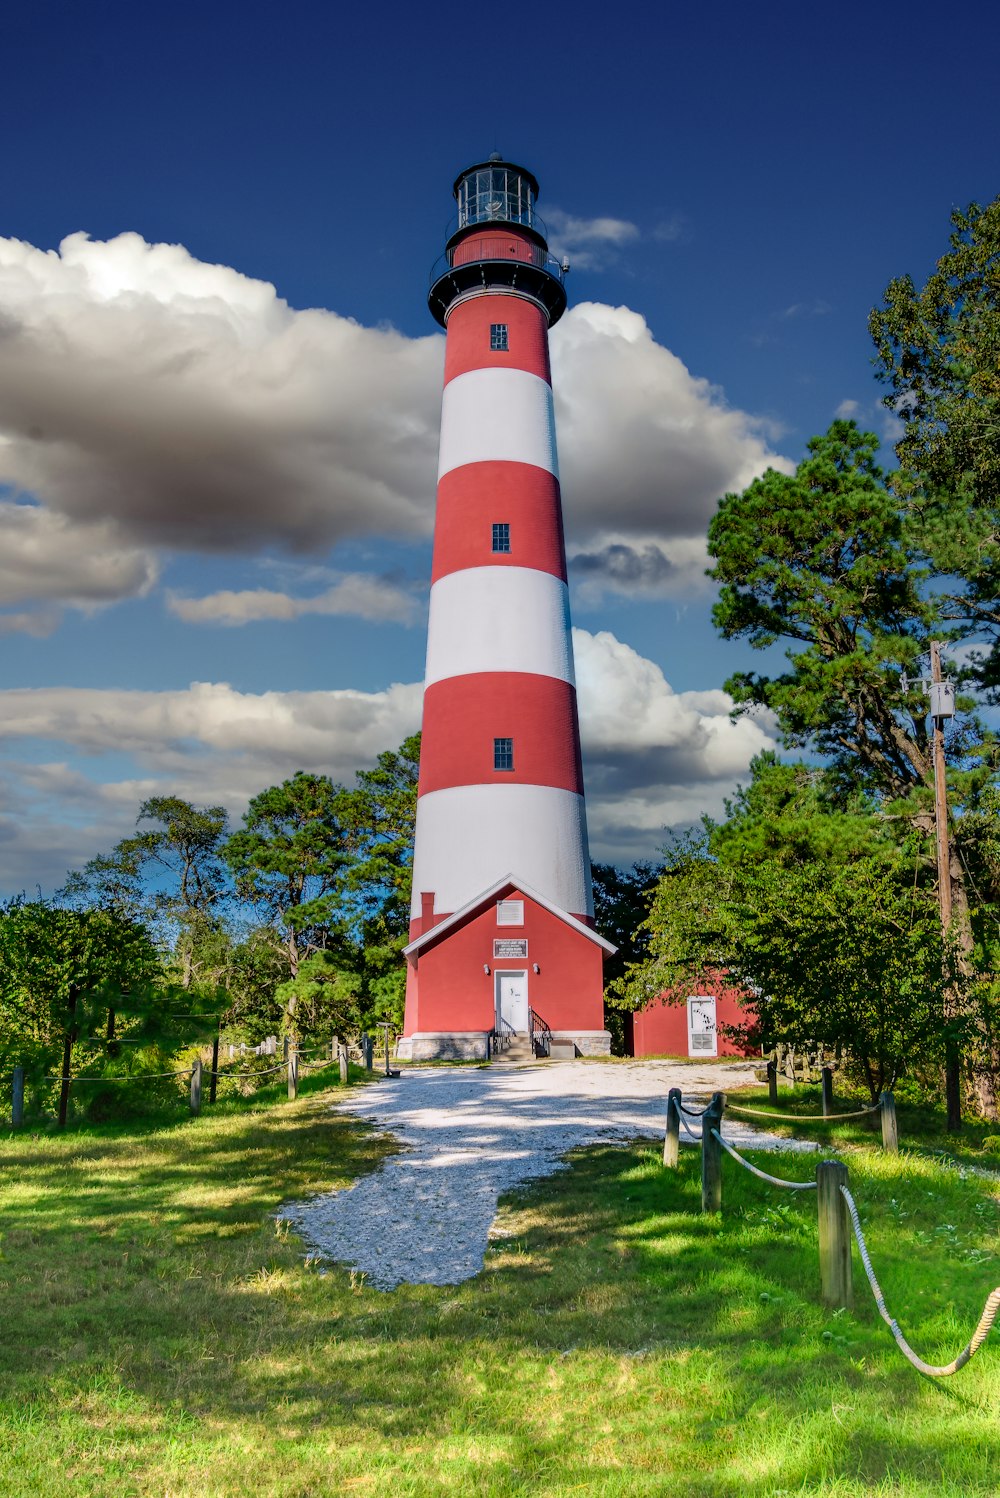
921 1126
162 1334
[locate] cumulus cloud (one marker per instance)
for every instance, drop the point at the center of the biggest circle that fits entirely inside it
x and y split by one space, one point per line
148 400
193 406
847 410
653 757
47 556
359 595
646 449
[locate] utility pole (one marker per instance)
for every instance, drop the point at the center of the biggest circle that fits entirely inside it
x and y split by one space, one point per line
943 706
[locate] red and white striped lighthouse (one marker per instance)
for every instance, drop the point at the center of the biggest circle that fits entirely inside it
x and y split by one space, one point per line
501 934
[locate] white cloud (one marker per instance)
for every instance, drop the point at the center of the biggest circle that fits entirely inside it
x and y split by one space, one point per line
587 243
359 595
653 757
150 400
198 410
49 557
646 446
847 410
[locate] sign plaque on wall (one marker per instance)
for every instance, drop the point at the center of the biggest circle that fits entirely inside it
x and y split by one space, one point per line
510 947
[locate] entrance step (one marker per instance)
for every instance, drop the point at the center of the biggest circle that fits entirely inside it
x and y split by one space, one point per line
516 1053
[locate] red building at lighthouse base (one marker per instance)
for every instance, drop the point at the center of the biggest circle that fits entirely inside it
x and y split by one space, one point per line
510 961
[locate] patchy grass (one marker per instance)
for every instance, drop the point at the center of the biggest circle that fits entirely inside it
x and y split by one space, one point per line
922 1126
162 1333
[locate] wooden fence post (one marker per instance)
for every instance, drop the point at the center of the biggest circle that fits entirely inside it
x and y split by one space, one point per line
214 1079
836 1287
711 1155
293 1072
890 1133
344 1073
196 1087
672 1134
17 1098
772 1082
826 1083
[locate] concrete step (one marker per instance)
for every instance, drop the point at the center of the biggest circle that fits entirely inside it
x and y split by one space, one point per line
516 1053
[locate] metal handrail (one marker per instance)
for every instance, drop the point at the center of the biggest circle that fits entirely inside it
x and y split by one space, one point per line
503 1034
541 1035
495 247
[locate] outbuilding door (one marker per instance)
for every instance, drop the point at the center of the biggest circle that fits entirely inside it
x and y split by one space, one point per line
702 1035
512 999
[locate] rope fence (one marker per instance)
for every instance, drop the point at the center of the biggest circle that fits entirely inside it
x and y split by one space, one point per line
943 1370
332 1053
762 1174
803 1117
837 1216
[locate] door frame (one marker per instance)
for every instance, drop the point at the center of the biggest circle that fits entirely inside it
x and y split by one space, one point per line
510 972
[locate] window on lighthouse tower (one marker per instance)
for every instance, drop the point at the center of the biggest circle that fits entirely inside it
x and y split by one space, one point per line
501 535
503 754
498 337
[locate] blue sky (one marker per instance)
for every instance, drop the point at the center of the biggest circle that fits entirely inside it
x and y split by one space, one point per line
204 480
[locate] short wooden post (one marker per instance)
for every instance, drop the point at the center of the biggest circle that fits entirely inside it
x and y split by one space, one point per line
772 1082
17 1098
366 1050
836 1286
711 1155
293 1072
890 1133
214 1079
196 1087
344 1073
672 1135
826 1084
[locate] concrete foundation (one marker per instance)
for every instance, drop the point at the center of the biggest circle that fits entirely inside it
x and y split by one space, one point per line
455 1045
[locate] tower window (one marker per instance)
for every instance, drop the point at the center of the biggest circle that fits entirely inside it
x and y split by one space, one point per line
498 337
501 535
503 754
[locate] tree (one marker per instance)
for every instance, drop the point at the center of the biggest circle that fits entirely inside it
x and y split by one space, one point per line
288 859
804 897
379 815
64 974
824 560
170 870
938 350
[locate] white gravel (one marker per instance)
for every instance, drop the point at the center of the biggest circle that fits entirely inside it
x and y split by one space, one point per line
471 1135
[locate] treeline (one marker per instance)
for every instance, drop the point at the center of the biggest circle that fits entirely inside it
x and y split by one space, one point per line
818 893
292 923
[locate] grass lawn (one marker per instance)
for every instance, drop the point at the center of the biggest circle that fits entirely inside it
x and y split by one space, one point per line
162 1334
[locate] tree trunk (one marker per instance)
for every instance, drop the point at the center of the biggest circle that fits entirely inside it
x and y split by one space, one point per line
67 1059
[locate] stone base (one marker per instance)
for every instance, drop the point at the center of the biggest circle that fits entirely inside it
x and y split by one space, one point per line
584 1042
454 1045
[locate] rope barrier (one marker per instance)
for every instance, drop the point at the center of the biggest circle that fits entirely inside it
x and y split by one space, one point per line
266 1073
693 1112
317 1065
149 1076
799 1117
974 1343
688 1130
774 1180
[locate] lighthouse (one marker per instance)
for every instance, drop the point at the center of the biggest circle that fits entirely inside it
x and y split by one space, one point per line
502 939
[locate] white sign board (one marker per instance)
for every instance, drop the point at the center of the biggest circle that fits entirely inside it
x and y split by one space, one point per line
511 947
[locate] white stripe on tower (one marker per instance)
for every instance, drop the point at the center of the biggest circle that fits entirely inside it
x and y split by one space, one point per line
503 414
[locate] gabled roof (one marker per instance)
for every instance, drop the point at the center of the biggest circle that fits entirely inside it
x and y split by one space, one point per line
509 881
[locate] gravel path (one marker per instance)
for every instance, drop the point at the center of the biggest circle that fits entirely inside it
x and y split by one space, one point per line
424 1216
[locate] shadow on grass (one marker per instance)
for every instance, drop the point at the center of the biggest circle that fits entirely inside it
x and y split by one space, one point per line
614 1337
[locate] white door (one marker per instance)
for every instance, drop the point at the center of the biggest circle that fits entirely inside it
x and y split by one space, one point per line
702 1039
512 1000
